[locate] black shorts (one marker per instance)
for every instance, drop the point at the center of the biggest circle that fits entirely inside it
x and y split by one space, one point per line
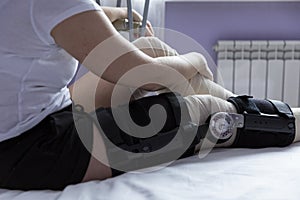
48 156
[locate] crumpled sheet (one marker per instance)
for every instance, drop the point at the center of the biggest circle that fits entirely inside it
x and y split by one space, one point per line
233 174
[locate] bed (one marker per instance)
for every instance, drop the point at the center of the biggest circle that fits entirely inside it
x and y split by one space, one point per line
234 174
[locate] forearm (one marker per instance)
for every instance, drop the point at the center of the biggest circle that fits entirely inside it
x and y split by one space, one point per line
186 64
157 72
161 71
107 54
138 67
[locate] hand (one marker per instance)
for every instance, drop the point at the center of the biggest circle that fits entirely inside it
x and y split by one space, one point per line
114 14
139 18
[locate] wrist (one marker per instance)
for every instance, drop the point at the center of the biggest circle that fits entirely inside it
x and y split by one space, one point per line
115 13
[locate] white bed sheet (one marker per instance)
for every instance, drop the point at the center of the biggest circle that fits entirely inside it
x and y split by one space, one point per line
235 174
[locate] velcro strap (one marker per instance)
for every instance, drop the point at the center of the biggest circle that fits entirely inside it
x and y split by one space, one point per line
258 106
244 103
282 108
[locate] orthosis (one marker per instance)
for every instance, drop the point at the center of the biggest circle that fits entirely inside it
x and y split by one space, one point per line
265 123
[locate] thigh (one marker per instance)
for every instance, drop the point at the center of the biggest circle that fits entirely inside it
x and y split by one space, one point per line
93 92
112 135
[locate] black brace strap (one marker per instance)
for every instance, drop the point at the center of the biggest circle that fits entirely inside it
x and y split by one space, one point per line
268 123
178 129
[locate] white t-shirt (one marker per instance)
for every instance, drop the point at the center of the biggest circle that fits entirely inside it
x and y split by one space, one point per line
34 71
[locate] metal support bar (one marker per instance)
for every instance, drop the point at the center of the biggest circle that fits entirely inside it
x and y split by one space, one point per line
130 19
145 17
119 3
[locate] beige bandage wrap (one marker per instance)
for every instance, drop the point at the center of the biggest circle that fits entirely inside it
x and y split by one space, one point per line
296 112
154 47
202 106
201 83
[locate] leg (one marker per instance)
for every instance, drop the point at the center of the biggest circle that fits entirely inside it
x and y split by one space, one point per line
85 87
296 112
208 105
201 82
203 104
203 86
154 47
95 92
85 91
97 170
199 108
90 87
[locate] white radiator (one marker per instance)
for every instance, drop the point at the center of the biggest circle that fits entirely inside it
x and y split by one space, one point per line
263 69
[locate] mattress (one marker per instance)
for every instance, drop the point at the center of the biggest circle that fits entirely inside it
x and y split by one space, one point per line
235 174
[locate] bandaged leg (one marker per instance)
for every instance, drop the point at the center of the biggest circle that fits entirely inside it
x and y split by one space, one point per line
260 123
201 83
296 112
181 133
154 47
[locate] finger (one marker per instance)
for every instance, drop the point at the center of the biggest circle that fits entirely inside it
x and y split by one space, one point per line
136 16
149 25
148 32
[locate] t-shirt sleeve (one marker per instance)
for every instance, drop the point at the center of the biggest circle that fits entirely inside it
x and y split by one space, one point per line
46 14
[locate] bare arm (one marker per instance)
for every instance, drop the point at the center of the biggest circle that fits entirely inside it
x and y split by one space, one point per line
81 33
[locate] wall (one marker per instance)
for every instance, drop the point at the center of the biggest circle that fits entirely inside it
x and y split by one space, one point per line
207 22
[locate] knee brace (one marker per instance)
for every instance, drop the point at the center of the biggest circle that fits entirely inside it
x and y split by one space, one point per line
177 138
267 123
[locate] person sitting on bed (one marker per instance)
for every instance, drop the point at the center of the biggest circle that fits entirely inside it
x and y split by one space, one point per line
41 43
